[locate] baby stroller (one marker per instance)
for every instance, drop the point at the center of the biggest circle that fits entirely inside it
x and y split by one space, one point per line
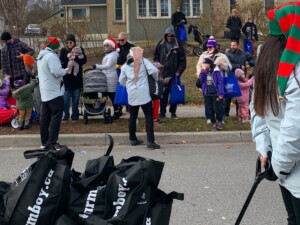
94 84
200 38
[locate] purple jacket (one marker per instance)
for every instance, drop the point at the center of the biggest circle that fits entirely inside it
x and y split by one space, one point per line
4 92
217 78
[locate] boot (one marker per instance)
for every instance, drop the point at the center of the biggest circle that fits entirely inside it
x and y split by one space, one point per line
153 145
214 127
27 122
21 125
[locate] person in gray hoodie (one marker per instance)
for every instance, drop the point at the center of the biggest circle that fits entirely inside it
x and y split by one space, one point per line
52 91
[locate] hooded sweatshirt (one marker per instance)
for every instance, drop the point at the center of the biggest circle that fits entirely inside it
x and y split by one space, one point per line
50 75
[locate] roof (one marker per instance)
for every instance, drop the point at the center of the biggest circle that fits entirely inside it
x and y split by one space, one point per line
82 2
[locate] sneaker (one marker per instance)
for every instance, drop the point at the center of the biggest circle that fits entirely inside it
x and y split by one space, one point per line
219 126
26 125
173 116
56 146
136 142
157 121
214 127
65 119
162 115
43 147
208 121
245 121
153 145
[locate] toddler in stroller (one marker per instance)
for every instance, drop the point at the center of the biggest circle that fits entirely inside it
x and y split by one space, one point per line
94 84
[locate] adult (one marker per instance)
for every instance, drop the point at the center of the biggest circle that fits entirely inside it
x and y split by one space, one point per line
169 53
238 59
275 121
52 93
178 20
108 66
73 83
134 75
11 58
124 47
234 24
250 31
219 59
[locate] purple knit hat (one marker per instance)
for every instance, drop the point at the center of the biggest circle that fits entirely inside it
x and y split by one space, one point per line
211 42
239 72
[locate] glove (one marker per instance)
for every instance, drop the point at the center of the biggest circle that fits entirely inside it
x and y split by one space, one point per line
271 175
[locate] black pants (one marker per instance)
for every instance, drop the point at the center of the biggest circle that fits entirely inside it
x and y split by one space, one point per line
292 206
227 103
51 115
214 106
165 99
148 112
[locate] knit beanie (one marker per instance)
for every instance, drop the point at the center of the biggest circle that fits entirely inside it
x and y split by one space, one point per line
239 72
284 20
71 37
211 42
5 36
18 83
52 43
28 60
112 42
208 61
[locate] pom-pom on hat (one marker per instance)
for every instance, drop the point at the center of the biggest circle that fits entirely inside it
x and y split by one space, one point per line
239 72
112 42
52 43
285 20
211 42
28 60
18 83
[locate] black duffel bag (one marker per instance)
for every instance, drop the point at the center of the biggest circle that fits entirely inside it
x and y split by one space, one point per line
41 192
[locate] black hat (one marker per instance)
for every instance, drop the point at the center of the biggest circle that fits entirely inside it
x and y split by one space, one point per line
71 37
208 61
5 36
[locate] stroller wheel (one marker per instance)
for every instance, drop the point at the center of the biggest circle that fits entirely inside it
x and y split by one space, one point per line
197 51
14 123
85 119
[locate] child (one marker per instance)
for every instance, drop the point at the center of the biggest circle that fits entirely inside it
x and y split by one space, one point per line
243 101
4 92
72 64
23 95
213 91
156 102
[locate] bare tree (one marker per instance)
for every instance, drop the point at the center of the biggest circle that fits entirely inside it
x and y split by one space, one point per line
13 13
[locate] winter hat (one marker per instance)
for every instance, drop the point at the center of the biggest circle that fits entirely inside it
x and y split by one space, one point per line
71 37
239 72
28 60
5 36
18 83
211 42
208 61
52 43
285 20
112 42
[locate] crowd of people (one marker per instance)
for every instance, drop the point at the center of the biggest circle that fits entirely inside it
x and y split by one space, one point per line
54 79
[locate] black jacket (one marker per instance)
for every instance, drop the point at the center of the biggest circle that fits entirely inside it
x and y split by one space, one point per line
250 31
173 61
239 59
72 82
234 24
176 19
124 50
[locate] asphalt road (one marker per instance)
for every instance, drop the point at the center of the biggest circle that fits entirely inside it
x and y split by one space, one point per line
215 178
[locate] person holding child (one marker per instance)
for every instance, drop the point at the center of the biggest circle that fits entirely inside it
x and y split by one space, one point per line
243 101
213 91
23 95
72 57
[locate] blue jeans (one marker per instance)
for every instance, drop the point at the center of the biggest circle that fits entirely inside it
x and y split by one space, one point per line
73 95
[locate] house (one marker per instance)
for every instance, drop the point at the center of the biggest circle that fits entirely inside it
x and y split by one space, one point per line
148 19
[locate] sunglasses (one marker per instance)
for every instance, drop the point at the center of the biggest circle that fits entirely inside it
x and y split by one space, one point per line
210 47
70 42
121 39
170 35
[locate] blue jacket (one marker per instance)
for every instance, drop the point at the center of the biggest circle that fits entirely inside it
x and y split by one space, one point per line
217 78
280 134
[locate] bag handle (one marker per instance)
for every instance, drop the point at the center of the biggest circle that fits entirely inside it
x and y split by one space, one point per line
111 144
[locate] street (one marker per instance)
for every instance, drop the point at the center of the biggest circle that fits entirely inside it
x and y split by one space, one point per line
215 179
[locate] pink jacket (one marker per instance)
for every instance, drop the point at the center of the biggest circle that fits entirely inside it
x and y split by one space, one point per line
245 88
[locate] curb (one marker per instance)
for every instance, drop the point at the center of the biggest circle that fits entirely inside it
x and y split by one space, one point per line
123 138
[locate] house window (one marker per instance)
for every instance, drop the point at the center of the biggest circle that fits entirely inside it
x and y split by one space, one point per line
192 8
269 4
153 8
232 4
79 14
119 10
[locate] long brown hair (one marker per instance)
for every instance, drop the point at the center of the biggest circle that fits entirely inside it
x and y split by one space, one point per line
266 86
